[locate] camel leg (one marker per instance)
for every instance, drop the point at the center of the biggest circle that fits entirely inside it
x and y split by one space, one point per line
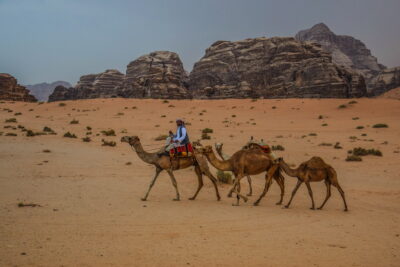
268 181
250 187
281 184
200 182
232 190
342 194
236 189
158 170
174 183
311 195
299 182
328 194
214 181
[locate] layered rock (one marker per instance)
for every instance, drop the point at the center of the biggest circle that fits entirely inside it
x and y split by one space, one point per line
11 90
102 85
42 90
346 51
157 75
276 67
385 81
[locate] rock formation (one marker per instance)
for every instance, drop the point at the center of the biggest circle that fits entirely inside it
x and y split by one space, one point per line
276 67
346 51
102 85
11 90
385 81
157 75
42 90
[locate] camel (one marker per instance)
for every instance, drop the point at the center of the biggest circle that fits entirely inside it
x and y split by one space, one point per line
313 170
169 165
247 162
218 148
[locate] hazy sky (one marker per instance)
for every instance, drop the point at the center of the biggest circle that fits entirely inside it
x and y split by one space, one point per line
49 40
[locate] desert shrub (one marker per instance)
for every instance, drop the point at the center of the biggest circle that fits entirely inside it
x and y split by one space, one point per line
380 125
224 177
47 129
355 118
364 134
1 133
353 102
163 116
207 130
11 120
254 100
17 114
320 117
161 137
69 135
30 133
205 136
233 116
359 127
86 139
342 106
46 150
337 146
10 134
359 151
353 137
108 143
74 121
88 128
62 104
134 107
325 144
110 132
128 163
324 124
353 158
312 134
277 147
273 107
171 106
165 101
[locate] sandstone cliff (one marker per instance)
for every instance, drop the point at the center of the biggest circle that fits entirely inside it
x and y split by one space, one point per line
346 51
11 90
276 67
385 81
42 90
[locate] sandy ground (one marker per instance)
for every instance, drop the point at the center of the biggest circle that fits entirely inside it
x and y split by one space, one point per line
91 213
393 94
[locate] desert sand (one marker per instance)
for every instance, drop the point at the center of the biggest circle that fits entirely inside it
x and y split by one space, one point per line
90 211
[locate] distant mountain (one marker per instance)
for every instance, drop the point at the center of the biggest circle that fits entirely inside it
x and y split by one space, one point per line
346 51
42 90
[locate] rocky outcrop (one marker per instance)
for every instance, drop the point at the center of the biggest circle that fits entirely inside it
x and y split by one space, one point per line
346 51
276 67
102 85
11 90
42 90
157 75
385 81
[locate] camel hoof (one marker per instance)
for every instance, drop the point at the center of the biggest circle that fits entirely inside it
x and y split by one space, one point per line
191 198
143 199
229 195
249 194
319 208
235 205
286 207
346 210
245 199
312 208
218 199
255 203
278 203
176 199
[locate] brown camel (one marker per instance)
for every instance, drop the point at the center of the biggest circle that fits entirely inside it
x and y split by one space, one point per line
247 162
313 170
218 148
169 165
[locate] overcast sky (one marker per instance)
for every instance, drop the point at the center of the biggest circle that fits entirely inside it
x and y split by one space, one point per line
49 40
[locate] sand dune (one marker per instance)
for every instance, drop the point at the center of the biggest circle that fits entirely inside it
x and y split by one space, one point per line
91 213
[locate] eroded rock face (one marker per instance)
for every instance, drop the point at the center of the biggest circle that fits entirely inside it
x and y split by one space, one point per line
346 51
276 67
157 75
102 85
386 80
12 91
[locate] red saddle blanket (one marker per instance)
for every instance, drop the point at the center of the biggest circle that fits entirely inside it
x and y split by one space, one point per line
182 151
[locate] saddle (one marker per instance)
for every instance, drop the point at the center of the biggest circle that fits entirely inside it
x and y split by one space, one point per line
264 148
183 151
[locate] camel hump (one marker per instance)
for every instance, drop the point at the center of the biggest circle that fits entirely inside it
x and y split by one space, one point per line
264 148
316 163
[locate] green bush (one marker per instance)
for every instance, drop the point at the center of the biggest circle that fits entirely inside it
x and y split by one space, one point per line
69 135
10 134
74 121
342 106
47 129
11 120
359 127
380 125
353 102
110 132
277 147
224 177
86 139
62 104
108 143
207 130
205 136
353 158
359 151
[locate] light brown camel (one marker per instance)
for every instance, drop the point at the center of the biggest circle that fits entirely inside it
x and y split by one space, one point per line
313 170
165 163
218 148
247 162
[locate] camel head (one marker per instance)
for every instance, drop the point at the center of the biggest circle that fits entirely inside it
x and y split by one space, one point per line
206 150
279 160
132 140
218 146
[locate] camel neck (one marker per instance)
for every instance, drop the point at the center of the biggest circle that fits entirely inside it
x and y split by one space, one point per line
222 155
143 155
223 165
289 171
